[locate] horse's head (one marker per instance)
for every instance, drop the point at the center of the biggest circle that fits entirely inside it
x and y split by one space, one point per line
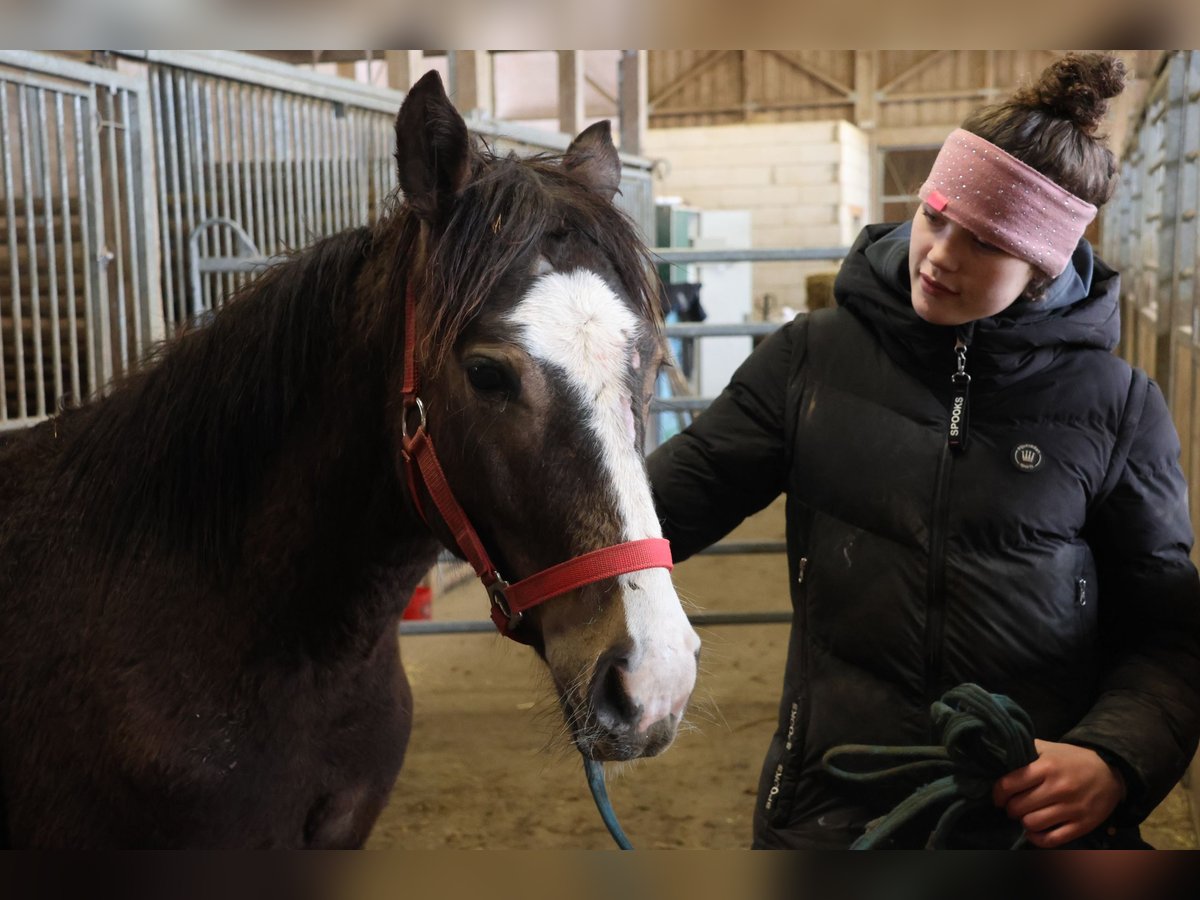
539 347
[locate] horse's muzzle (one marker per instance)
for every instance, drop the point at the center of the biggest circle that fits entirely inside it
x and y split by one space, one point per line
621 722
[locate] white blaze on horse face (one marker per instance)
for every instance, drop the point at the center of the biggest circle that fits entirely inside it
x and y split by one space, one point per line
574 322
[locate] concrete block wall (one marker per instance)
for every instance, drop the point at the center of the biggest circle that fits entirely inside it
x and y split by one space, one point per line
806 184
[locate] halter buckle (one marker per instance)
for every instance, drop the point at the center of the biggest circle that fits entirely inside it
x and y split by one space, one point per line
498 595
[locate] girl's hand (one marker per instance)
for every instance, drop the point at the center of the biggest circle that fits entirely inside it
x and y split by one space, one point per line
1065 793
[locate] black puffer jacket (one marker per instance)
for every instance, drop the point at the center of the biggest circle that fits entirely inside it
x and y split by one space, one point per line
914 568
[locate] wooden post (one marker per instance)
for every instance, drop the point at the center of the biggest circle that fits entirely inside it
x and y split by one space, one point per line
471 81
404 67
633 100
570 91
866 116
866 85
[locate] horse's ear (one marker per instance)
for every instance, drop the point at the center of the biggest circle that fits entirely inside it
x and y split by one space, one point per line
432 148
593 159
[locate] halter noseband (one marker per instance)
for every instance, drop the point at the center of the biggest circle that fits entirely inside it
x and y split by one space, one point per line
508 601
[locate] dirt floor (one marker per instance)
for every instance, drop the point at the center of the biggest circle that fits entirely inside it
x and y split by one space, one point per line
488 766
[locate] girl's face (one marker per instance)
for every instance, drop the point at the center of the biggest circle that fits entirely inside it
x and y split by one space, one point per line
957 278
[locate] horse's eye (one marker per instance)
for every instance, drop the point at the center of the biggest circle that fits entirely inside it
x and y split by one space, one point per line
488 377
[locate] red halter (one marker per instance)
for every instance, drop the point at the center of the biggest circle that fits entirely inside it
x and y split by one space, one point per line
509 602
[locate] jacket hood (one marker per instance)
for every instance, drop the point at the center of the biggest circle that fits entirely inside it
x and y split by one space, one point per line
1080 310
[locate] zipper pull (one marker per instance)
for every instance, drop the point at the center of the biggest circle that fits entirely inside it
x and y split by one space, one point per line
960 399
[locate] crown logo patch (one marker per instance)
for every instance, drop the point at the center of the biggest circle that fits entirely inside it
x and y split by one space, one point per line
1027 457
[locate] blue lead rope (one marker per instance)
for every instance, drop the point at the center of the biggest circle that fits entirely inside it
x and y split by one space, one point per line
595 778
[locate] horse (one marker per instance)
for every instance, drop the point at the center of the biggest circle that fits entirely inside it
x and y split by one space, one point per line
203 571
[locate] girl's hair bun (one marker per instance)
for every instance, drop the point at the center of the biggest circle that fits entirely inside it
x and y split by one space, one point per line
1077 88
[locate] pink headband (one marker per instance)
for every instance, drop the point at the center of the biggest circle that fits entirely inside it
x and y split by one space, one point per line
1001 200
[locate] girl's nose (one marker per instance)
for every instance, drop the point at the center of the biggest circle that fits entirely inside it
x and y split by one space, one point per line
942 253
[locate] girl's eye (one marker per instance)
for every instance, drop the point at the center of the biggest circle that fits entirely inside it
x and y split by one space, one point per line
930 215
984 245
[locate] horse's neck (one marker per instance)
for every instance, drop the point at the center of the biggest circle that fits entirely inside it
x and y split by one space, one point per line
329 534
332 546
256 450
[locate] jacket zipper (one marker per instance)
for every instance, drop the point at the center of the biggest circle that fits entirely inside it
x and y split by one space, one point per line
960 399
956 443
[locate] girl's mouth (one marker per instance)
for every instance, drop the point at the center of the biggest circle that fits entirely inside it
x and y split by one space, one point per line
935 288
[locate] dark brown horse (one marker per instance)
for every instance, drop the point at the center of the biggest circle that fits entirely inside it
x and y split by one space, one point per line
202 573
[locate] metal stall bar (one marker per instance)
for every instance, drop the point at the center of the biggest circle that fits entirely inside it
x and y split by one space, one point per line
87 213
164 197
221 201
677 256
288 162
136 259
338 159
10 226
23 103
43 144
109 122
262 202
692 330
68 255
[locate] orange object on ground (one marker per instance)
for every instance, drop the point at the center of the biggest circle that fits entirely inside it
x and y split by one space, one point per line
421 604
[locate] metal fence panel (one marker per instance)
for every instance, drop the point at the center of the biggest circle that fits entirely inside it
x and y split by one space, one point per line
106 175
288 168
1152 236
78 303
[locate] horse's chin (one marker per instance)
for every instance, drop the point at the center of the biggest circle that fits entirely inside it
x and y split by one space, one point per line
621 745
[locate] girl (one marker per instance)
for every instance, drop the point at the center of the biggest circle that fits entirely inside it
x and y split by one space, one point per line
977 490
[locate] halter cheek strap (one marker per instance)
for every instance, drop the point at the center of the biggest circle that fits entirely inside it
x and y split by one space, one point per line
508 602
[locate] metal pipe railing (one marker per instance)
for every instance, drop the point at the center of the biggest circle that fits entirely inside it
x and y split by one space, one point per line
703 619
687 256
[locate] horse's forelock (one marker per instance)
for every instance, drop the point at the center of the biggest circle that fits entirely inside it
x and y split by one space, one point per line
503 215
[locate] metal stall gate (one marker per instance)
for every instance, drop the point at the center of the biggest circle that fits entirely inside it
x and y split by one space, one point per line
257 158
279 154
137 200
1150 232
1150 235
79 292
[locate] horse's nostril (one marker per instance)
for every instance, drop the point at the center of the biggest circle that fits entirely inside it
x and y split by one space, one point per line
611 703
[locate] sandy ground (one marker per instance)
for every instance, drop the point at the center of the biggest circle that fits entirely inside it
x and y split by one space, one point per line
488 766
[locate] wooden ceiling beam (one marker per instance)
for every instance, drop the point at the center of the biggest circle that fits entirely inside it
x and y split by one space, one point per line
816 74
679 81
920 65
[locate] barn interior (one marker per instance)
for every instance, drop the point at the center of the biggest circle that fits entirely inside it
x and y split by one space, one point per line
141 188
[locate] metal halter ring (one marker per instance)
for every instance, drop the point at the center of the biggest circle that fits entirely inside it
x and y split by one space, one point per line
497 594
404 417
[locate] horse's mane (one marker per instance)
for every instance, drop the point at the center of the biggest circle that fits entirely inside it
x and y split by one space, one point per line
177 452
178 449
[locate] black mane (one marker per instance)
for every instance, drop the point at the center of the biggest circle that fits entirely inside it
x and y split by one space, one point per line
177 452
